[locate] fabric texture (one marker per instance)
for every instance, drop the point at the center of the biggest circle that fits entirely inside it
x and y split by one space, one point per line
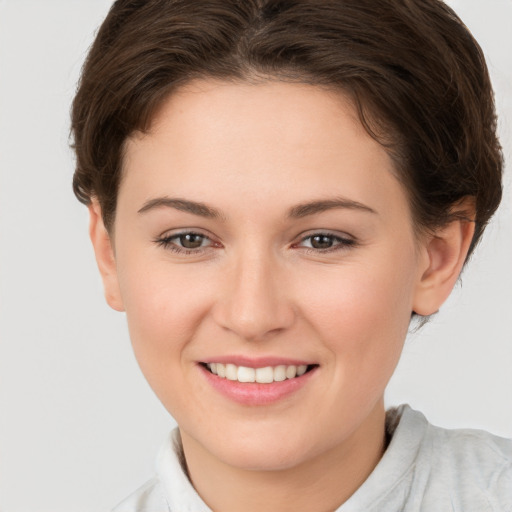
424 469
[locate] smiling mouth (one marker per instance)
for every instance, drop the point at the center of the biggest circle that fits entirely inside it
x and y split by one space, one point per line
265 375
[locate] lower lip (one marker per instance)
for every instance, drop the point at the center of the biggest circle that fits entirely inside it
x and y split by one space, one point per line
254 393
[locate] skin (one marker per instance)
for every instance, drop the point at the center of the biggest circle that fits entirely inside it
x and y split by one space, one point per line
257 287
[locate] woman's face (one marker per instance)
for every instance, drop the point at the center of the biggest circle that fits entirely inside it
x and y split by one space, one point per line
259 226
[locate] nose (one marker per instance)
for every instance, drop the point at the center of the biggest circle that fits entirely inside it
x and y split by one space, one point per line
254 302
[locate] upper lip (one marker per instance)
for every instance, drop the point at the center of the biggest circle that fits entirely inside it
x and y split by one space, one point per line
257 362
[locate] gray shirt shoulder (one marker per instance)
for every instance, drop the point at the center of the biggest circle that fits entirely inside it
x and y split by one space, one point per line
431 469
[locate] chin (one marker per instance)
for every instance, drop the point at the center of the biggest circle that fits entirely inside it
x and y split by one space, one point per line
264 451
258 458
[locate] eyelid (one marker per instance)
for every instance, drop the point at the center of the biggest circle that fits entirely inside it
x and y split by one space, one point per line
165 240
343 235
344 241
169 233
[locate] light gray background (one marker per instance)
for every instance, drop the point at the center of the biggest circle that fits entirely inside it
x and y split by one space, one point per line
79 427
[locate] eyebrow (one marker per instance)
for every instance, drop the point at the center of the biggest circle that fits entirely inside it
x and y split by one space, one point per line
297 212
313 207
183 205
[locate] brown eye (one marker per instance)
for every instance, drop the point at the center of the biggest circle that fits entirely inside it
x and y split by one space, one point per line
191 240
186 242
321 241
326 243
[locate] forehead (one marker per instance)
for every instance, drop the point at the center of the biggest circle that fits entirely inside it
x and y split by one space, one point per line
267 141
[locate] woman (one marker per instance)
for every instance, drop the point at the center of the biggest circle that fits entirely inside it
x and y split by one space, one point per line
276 189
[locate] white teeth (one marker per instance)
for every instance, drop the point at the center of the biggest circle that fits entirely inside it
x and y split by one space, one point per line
280 373
231 372
221 370
291 371
264 375
246 374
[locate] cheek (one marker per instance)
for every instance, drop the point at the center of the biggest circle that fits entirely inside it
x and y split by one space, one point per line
362 314
164 310
359 300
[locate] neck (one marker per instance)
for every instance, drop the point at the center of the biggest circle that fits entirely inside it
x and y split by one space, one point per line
320 484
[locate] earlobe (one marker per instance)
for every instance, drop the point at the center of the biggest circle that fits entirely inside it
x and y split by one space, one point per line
105 257
444 252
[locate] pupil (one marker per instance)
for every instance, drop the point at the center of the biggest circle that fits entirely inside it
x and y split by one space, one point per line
321 242
191 241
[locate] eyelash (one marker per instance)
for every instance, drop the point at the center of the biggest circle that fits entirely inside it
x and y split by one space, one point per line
167 242
341 243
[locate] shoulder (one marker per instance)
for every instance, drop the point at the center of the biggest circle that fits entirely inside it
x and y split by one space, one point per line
147 498
467 467
170 489
456 444
474 457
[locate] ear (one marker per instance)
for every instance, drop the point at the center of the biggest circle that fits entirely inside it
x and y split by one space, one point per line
444 252
105 257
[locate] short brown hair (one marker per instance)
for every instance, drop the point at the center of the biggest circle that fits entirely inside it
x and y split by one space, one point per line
415 73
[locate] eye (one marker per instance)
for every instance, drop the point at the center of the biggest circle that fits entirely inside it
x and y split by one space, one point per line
321 241
186 242
326 242
190 240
